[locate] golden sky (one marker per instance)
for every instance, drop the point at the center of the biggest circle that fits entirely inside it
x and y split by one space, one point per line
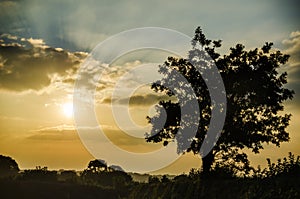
42 46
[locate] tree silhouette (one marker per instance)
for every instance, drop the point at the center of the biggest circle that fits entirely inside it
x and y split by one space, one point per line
254 91
8 166
115 168
39 174
68 176
97 165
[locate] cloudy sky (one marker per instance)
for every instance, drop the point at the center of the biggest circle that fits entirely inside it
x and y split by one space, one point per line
43 44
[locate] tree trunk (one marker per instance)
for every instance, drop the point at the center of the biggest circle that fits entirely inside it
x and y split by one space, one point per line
207 162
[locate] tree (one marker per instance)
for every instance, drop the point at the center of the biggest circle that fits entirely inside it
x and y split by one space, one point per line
97 165
153 180
68 176
165 179
8 166
39 174
255 94
115 168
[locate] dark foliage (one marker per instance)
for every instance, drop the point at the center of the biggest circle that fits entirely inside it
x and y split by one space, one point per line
97 165
38 174
49 190
8 167
279 180
255 94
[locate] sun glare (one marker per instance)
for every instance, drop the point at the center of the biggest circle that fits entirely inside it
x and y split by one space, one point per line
68 109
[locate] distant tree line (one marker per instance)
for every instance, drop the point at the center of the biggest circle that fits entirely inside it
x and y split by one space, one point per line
278 180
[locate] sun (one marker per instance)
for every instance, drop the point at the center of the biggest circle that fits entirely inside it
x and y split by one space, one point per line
68 109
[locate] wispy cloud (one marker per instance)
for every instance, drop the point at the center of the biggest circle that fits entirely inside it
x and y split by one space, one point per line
292 47
115 135
57 133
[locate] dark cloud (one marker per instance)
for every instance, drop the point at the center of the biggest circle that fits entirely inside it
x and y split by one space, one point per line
29 63
130 143
139 100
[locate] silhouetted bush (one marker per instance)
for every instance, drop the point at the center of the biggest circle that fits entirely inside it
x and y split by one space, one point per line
288 167
39 174
278 180
68 176
8 167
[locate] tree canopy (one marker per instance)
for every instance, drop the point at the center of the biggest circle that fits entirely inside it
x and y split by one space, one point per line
97 165
255 94
8 166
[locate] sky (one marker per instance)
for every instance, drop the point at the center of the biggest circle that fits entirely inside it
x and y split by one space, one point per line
43 44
